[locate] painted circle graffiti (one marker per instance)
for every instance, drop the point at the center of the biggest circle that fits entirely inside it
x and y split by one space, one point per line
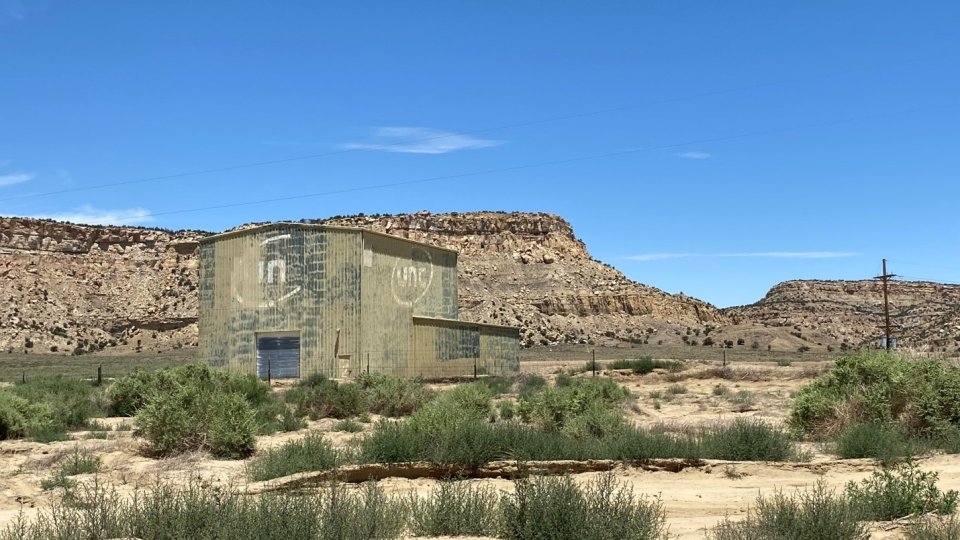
410 279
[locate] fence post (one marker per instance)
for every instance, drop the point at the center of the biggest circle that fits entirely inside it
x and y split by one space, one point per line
99 374
593 352
24 376
368 363
474 368
724 358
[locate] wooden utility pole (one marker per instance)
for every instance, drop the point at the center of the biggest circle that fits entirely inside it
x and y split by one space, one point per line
886 305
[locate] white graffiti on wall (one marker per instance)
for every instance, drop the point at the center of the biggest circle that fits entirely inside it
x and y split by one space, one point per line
276 271
411 279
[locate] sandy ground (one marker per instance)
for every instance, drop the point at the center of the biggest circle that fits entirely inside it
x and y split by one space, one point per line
694 499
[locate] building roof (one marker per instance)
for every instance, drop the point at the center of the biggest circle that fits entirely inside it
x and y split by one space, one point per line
463 323
316 226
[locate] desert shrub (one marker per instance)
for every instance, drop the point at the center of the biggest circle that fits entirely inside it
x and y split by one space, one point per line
311 453
349 425
554 507
76 462
934 528
57 481
319 397
67 403
391 396
528 383
746 440
642 366
743 398
506 409
132 395
79 462
874 440
474 397
197 418
498 385
900 491
274 415
553 408
455 508
676 389
816 514
21 418
596 421
453 435
208 513
921 395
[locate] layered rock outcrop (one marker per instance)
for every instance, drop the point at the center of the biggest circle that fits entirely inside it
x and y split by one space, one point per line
924 315
77 289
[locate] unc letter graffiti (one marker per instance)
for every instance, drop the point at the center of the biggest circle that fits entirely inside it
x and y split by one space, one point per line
411 278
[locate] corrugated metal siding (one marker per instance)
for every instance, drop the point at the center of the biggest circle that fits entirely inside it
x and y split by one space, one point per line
401 280
275 280
307 279
445 348
340 303
500 349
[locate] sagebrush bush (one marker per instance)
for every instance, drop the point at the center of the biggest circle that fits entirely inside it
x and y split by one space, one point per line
210 513
922 396
530 383
319 397
552 507
20 418
746 440
455 508
349 425
815 514
551 409
644 365
311 453
197 418
555 508
44 408
934 528
874 440
392 396
900 491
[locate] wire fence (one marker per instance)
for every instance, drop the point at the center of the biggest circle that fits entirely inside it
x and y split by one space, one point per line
402 363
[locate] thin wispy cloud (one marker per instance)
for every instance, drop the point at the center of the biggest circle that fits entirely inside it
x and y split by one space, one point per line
694 155
419 140
88 215
756 254
16 178
11 11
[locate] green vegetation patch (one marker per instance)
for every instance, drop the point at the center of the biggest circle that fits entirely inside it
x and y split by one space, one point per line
311 453
922 396
644 365
45 408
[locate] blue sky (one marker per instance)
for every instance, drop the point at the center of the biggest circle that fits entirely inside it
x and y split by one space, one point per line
713 148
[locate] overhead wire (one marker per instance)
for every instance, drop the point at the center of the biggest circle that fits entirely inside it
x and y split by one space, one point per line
303 157
557 161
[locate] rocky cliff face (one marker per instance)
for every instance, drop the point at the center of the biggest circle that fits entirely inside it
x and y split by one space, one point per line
924 315
76 289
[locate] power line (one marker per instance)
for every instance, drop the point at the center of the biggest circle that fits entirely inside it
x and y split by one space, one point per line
557 161
304 157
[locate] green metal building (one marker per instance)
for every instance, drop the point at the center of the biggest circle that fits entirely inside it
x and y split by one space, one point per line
289 300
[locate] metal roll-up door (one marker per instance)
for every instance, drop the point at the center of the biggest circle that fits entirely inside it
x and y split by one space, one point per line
278 356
